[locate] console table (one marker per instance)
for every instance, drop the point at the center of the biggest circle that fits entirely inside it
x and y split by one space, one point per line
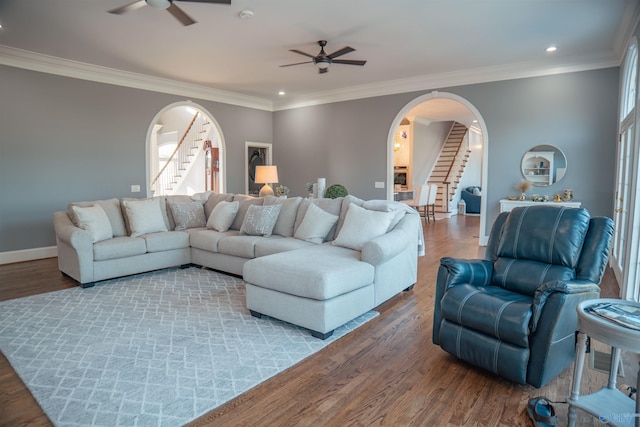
610 404
507 205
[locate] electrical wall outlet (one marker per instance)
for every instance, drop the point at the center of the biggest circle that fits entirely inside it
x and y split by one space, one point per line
379 184
135 188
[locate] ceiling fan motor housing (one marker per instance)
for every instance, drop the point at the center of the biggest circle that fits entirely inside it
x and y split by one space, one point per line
159 4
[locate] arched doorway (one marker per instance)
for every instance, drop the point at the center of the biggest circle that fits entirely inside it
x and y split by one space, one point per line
185 151
430 110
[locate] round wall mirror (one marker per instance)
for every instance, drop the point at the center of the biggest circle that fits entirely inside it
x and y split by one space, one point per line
544 165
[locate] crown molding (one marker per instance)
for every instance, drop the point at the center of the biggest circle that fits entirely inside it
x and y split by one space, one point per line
79 70
451 79
52 65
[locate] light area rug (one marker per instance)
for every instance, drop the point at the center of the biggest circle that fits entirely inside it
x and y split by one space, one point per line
155 349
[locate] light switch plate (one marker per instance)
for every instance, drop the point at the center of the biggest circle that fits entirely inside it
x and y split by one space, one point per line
379 184
135 188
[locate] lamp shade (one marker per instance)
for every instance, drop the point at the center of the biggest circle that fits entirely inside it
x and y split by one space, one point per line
266 174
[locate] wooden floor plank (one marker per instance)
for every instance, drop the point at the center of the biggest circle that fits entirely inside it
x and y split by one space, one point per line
386 373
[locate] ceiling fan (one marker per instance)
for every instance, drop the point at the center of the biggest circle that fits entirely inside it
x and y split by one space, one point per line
165 4
323 61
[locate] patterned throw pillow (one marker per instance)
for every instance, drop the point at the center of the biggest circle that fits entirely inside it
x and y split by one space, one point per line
260 220
188 215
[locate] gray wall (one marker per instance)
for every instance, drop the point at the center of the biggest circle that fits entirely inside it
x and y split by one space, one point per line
64 140
346 142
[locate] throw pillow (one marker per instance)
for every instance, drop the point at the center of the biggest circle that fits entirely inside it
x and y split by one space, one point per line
144 217
476 191
315 225
188 215
222 216
111 208
94 220
260 220
361 225
244 202
287 217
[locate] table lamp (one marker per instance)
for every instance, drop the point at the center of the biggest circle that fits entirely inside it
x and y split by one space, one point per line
266 175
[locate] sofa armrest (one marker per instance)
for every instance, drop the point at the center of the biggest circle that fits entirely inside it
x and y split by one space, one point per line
68 233
383 248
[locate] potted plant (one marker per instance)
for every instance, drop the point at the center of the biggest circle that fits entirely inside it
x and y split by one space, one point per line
335 191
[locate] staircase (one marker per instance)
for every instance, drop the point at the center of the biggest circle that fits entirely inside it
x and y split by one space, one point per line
183 157
449 167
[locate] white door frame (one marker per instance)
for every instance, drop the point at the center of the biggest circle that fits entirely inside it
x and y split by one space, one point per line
484 238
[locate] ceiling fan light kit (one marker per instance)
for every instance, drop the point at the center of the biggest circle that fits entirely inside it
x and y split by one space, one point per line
322 61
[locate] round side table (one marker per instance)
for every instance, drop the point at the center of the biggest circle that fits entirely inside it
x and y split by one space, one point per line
609 404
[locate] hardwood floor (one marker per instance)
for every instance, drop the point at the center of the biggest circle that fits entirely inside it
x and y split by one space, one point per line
385 373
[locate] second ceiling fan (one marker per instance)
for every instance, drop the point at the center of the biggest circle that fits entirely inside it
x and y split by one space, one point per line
165 4
323 60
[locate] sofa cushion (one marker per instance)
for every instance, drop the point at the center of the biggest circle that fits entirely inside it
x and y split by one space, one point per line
187 215
260 220
285 224
222 216
119 247
111 208
275 244
144 216
561 242
213 201
208 239
361 225
244 202
94 220
315 225
319 272
491 310
240 246
166 240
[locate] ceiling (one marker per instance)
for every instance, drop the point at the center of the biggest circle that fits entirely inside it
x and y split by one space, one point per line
408 44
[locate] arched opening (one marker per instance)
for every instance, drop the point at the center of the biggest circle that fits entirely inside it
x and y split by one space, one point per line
434 110
185 151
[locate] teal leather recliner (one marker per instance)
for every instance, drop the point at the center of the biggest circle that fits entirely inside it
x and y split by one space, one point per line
514 313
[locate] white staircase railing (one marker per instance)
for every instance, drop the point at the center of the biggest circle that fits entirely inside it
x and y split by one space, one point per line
177 166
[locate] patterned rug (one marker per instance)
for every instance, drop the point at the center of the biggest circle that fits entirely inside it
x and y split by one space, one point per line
155 349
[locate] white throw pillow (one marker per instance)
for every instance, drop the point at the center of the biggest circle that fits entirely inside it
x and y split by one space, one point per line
144 217
222 216
260 220
361 225
188 215
315 225
94 220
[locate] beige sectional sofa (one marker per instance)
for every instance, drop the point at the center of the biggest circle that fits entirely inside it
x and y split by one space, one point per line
317 263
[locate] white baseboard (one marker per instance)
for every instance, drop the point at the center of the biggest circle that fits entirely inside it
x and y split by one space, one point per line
28 254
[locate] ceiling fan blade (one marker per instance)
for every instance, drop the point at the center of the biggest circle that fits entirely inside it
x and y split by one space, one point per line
297 63
129 7
301 53
341 52
180 15
209 1
349 61
323 70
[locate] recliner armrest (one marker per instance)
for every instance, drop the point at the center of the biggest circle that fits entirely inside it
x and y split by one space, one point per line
562 286
452 272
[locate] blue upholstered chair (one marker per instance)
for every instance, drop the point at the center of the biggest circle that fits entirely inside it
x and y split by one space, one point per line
514 313
472 200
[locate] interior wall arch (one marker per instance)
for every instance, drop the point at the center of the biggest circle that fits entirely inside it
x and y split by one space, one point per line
485 148
153 129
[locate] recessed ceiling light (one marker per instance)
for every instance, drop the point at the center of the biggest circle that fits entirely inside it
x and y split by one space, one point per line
281 92
551 49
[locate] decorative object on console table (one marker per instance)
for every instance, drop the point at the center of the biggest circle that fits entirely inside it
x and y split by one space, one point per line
335 191
282 191
524 186
320 187
568 195
266 175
